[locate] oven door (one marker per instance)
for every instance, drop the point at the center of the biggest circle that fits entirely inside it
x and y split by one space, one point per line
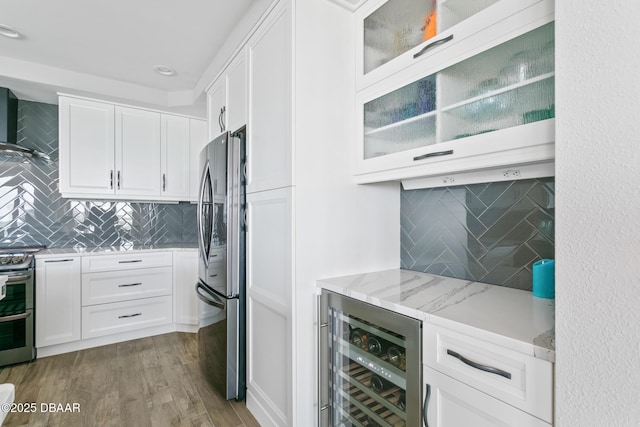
16 319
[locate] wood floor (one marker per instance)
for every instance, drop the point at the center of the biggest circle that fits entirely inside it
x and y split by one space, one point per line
152 381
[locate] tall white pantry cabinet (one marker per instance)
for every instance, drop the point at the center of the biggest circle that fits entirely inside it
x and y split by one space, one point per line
306 219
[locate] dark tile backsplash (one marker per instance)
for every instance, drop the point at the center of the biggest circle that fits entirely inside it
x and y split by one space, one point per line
490 232
32 211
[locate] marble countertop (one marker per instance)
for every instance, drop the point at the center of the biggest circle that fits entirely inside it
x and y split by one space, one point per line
504 316
101 250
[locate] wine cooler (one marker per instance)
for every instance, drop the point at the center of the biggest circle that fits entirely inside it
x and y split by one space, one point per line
369 365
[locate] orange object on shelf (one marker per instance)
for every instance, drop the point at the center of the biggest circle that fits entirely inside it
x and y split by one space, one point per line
430 29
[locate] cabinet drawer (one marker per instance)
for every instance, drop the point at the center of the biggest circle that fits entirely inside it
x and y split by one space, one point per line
129 261
515 378
114 286
117 317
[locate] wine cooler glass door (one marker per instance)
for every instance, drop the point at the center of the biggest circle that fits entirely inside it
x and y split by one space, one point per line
374 357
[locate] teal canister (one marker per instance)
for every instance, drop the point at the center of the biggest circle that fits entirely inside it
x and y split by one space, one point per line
544 285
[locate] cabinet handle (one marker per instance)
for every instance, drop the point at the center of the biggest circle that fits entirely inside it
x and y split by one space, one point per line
58 260
124 316
484 368
434 44
224 126
111 180
220 120
164 182
129 284
425 407
436 154
118 179
129 262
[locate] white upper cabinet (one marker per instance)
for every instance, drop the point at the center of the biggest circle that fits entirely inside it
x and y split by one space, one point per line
227 98
137 152
175 136
480 109
87 150
198 140
216 107
394 34
269 150
236 112
120 152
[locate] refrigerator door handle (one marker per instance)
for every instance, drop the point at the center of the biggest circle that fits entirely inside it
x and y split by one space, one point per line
207 297
202 251
233 216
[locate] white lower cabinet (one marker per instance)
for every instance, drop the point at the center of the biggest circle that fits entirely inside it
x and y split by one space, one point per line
57 300
269 284
185 277
105 319
451 403
476 382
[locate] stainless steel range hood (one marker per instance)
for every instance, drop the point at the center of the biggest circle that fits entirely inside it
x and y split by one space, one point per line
9 128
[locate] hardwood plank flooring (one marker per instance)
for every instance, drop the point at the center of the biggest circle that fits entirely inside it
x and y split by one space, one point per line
152 382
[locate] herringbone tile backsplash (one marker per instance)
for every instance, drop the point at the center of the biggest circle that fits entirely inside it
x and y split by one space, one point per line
489 232
32 211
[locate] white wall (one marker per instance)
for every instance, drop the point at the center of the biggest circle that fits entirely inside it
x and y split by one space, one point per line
341 228
597 216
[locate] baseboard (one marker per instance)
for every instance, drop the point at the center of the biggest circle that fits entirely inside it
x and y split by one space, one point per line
259 412
112 339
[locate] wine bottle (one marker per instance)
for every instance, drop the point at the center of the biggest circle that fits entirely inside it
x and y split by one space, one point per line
377 346
379 384
397 357
359 338
402 403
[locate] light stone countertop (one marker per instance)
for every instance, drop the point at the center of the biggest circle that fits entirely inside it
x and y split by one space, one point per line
504 316
103 250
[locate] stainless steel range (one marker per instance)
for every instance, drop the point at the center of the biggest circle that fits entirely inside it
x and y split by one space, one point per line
17 308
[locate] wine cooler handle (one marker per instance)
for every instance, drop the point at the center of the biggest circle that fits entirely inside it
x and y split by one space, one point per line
425 407
323 362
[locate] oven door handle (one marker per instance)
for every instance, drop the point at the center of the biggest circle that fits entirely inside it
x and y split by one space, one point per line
14 317
18 278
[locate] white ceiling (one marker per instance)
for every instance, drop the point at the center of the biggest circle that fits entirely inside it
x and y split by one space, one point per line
91 46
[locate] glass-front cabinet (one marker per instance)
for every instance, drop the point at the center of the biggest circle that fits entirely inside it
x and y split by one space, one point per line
393 34
491 106
370 365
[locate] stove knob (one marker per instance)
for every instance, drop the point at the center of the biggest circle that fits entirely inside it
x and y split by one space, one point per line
5 260
18 259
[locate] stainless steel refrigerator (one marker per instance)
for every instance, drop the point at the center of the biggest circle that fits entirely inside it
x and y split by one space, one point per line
221 267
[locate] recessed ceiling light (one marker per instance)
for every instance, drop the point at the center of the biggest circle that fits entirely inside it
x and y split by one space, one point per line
164 70
9 32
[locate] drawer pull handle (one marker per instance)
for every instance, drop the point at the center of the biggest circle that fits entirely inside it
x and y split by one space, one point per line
129 262
58 260
434 44
436 154
213 275
124 316
484 368
129 284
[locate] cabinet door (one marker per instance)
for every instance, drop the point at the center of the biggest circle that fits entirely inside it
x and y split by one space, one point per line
395 34
450 403
86 147
175 157
137 152
216 106
269 130
57 301
185 277
236 113
269 306
493 109
198 140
